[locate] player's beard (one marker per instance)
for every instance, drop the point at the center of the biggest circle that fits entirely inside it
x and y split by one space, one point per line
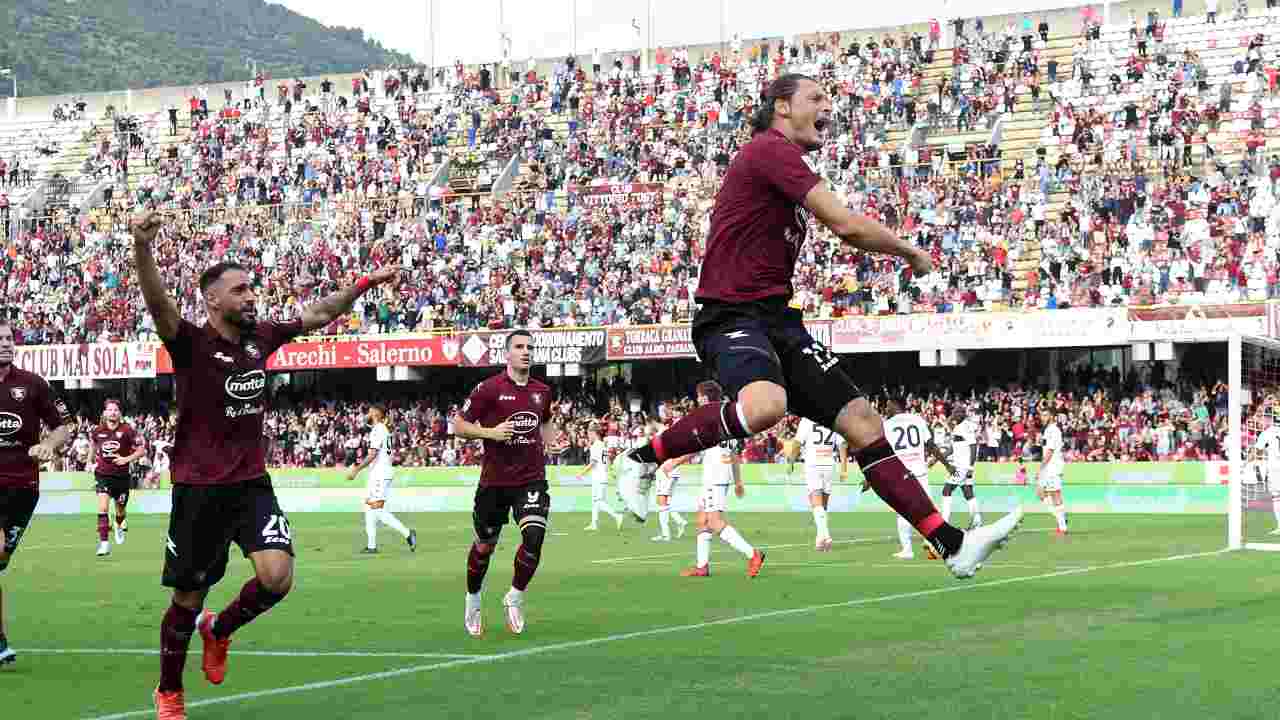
246 323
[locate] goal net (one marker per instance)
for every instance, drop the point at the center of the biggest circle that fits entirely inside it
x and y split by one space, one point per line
1253 443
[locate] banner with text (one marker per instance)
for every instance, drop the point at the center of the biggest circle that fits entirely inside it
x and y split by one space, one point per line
621 194
487 349
1192 322
977 331
101 361
334 355
659 342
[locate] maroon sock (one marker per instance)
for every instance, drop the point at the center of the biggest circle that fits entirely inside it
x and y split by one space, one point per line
104 526
708 425
253 601
175 638
477 566
526 565
900 490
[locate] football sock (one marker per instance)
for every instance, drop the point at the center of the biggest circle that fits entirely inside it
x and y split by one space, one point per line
946 508
901 491
706 426
254 600
392 522
735 540
820 521
1275 509
371 528
477 566
904 534
974 514
104 527
526 564
1060 514
704 548
664 520
175 638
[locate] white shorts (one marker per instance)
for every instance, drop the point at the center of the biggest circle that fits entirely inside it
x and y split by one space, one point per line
962 476
714 499
599 490
378 489
818 479
1050 480
666 483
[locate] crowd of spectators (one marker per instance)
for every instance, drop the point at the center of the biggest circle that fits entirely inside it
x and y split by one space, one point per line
309 188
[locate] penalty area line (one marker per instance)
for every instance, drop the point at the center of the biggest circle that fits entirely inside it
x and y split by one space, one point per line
652 632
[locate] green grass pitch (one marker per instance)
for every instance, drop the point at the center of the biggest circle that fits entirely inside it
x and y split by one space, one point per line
1108 622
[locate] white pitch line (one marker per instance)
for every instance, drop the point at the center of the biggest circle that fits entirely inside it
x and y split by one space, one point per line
254 653
575 644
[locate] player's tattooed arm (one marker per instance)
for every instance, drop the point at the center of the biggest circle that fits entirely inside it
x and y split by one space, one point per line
324 311
47 449
162 308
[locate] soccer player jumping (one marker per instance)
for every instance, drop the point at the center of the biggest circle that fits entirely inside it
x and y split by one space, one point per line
221 490
746 332
511 413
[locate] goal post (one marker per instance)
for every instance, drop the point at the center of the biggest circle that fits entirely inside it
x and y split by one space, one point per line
1253 402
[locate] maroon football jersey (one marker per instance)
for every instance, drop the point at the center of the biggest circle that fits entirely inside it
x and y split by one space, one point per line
522 459
111 444
25 401
222 396
758 223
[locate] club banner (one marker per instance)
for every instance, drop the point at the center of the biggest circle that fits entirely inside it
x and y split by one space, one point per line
665 342
621 194
98 361
1192 322
438 350
1048 328
584 347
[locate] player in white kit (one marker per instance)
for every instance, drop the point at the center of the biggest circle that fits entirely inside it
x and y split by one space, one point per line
912 440
964 455
1266 455
821 447
719 468
599 468
378 460
1049 486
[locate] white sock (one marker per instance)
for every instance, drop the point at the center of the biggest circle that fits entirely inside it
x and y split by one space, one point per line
473 601
371 528
1060 514
664 520
904 534
974 513
607 509
393 522
704 548
595 513
735 540
678 518
820 521
1275 508
514 596
946 508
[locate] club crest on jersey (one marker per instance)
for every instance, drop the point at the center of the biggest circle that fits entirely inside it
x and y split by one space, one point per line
537 398
18 394
252 351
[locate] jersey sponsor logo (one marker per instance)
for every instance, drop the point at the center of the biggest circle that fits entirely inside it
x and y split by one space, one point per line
9 423
506 397
523 422
735 335
110 448
18 394
252 351
247 386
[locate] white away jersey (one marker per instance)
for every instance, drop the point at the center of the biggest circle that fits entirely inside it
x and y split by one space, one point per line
717 465
908 433
964 444
1052 440
1269 443
599 462
380 443
820 444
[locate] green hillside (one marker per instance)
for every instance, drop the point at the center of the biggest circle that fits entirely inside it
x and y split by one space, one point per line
65 46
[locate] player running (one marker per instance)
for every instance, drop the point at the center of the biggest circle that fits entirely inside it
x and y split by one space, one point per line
26 401
912 441
115 445
964 456
756 344
381 472
598 468
1049 484
221 490
820 447
511 413
720 466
